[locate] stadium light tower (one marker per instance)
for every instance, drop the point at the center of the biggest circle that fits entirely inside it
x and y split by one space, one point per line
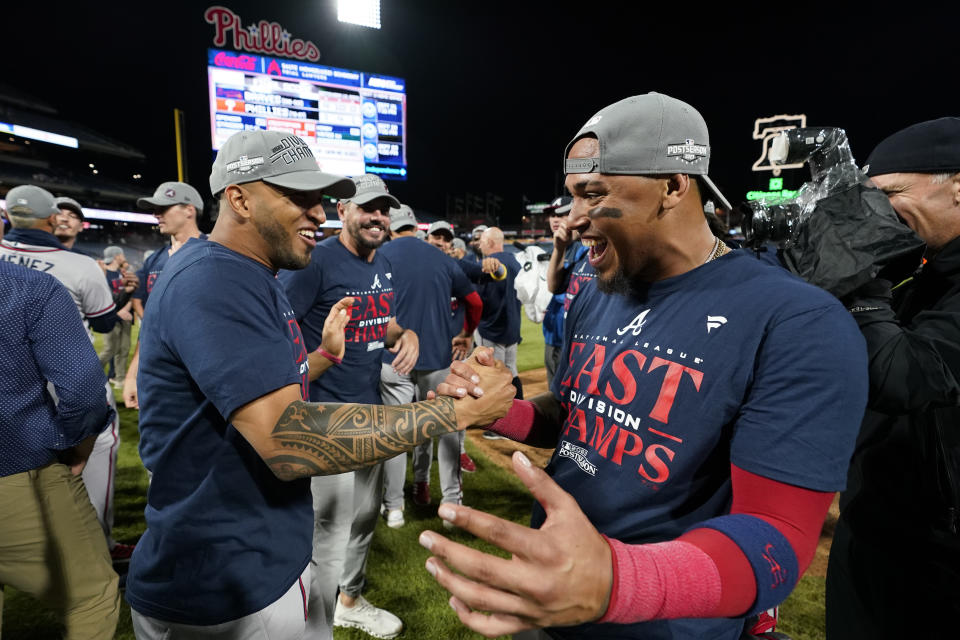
365 13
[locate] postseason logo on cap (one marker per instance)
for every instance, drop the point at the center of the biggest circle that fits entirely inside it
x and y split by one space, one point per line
689 151
244 164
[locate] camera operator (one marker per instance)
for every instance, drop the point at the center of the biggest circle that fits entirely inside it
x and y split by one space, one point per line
894 567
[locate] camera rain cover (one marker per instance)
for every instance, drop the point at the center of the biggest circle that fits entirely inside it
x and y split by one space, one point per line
850 238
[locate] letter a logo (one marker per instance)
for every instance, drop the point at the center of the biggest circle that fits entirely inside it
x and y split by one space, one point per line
636 324
376 281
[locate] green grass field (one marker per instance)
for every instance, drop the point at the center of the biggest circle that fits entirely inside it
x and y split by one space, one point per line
396 576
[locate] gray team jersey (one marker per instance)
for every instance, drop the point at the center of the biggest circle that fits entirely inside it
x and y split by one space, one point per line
80 274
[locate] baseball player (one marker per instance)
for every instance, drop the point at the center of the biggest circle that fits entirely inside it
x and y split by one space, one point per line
425 280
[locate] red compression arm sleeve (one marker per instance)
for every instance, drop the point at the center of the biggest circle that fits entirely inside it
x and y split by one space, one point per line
523 423
679 580
473 312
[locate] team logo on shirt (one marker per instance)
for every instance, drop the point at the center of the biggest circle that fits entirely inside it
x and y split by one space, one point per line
376 282
635 325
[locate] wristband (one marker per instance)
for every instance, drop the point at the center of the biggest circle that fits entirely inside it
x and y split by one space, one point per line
503 268
770 554
329 356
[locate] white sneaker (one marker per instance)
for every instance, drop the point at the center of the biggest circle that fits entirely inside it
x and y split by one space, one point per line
379 623
394 518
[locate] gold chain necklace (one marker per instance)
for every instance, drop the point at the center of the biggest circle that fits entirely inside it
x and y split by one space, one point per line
718 249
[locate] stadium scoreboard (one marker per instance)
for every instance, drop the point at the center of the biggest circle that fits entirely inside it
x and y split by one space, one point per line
354 122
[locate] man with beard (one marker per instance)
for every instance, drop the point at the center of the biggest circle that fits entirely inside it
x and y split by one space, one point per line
347 506
226 428
703 413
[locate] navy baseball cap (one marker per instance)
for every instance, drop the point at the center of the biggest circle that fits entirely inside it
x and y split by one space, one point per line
559 207
926 147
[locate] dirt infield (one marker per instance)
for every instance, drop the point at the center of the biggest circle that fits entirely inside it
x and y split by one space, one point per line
534 382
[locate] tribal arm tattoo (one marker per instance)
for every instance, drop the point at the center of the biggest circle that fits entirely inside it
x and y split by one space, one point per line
314 439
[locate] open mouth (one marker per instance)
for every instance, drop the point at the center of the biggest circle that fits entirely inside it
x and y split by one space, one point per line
374 229
597 247
309 236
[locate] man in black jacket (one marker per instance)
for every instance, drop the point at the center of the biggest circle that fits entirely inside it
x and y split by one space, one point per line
894 567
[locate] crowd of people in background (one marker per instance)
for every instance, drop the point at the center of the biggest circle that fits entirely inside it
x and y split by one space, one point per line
704 406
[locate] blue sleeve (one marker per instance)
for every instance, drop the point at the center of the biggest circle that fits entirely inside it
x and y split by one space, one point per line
230 338
473 270
803 411
303 286
141 292
460 285
104 323
66 358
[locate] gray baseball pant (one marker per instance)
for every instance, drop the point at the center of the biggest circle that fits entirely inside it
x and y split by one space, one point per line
396 388
282 619
345 510
101 467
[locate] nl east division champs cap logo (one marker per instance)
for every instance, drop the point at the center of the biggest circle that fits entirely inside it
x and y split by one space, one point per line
688 151
276 157
290 151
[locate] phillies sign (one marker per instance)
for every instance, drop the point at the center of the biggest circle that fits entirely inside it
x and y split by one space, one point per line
263 37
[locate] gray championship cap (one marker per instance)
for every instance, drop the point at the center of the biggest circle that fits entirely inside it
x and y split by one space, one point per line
31 202
478 230
277 158
369 188
111 252
171 193
441 226
421 234
652 134
64 202
459 244
402 217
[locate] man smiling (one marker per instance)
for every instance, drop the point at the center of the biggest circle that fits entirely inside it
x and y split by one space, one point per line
225 426
347 506
703 414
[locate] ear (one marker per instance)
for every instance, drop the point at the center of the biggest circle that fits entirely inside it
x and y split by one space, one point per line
239 201
955 189
341 209
677 187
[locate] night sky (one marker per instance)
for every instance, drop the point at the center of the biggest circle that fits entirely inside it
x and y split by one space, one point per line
495 90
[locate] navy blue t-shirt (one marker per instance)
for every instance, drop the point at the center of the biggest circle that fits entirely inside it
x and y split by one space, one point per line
334 273
115 280
224 536
425 279
500 321
152 268
733 362
574 256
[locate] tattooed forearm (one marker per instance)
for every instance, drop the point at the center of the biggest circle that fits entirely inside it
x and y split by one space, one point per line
313 439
